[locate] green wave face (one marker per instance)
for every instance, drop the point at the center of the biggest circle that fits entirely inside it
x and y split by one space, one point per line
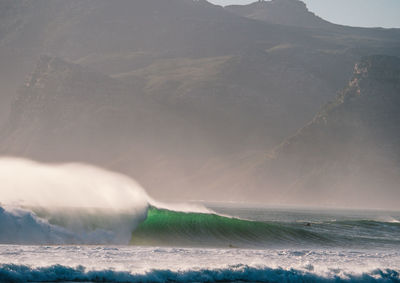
171 228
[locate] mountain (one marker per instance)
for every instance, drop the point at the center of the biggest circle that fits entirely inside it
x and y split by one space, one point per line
349 154
207 49
66 111
283 12
69 113
166 91
215 59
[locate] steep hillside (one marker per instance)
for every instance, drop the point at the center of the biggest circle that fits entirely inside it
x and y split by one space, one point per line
64 111
347 156
223 65
169 92
350 152
69 113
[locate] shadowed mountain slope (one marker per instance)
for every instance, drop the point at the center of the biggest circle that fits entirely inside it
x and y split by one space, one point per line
350 152
66 113
167 91
347 156
134 40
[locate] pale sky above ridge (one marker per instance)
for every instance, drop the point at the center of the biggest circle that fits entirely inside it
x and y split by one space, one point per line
365 13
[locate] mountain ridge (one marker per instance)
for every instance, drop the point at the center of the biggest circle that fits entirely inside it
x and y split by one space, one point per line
352 142
169 92
284 12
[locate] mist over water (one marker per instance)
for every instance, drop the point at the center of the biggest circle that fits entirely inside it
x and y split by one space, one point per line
71 203
67 203
28 183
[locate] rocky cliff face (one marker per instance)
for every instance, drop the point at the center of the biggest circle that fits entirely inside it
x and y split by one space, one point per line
180 88
193 55
350 152
196 57
64 110
69 113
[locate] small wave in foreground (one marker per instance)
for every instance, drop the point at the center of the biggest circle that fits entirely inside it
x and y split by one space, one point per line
238 273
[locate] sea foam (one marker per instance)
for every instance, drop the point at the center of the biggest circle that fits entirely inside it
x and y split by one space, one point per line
71 204
67 204
238 273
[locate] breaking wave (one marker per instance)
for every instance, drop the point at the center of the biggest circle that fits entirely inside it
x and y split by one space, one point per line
173 228
80 204
237 273
161 227
67 204
69 226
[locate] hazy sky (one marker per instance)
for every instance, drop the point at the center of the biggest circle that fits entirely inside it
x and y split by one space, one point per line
368 13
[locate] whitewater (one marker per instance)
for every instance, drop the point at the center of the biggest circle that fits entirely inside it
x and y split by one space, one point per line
79 223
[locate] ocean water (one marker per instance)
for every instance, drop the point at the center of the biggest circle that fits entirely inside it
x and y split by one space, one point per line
217 243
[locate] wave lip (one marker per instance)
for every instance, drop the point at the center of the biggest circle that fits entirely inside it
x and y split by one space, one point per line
237 273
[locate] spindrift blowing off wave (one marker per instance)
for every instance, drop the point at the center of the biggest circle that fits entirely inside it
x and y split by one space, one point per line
133 238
